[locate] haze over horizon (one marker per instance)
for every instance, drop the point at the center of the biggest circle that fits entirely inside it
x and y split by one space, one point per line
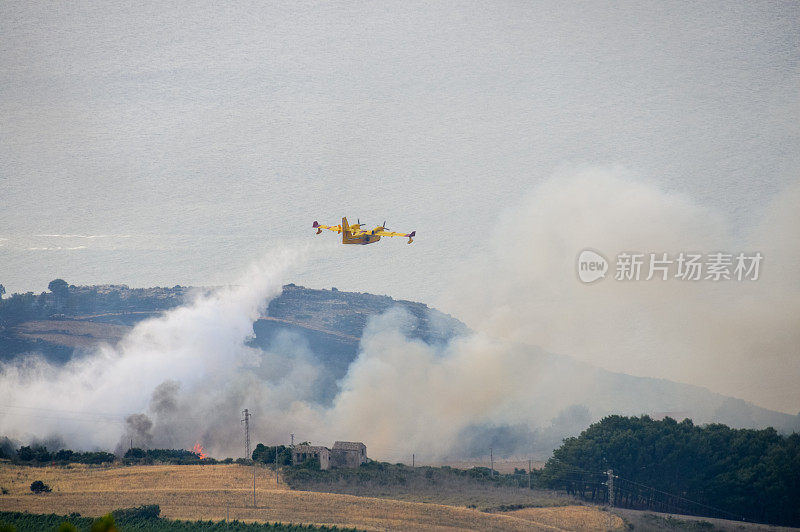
160 145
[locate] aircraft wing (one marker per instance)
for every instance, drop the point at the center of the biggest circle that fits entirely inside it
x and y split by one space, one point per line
392 233
410 235
319 227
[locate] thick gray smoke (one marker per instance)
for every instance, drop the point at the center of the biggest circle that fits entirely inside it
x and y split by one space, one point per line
138 430
736 338
185 377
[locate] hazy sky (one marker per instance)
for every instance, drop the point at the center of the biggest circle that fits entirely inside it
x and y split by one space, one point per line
193 136
154 144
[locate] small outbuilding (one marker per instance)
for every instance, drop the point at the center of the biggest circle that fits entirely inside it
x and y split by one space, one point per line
301 453
348 454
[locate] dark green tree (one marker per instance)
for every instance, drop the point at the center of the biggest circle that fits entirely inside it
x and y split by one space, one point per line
64 455
104 524
58 286
135 453
265 454
37 486
27 453
60 290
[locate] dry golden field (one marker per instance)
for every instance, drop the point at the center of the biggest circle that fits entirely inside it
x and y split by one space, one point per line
212 491
504 466
571 518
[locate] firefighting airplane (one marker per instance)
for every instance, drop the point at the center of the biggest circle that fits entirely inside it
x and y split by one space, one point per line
353 234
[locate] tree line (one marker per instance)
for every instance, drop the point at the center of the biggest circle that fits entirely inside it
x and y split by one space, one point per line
739 472
40 455
64 299
145 517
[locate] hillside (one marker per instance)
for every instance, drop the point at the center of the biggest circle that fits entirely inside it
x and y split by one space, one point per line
69 320
56 324
212 492
567 395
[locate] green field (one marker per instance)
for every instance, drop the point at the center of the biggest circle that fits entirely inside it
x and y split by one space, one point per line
143 519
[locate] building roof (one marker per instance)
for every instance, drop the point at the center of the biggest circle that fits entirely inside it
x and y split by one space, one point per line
309 448
349 445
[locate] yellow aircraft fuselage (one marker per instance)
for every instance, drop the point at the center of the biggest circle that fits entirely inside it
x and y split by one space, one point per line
363 239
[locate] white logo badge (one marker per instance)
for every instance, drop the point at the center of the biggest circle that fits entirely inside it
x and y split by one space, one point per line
591 266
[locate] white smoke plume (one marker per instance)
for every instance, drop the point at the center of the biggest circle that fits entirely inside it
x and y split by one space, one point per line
168 374
186 376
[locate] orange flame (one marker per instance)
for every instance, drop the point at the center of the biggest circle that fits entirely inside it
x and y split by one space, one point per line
198 450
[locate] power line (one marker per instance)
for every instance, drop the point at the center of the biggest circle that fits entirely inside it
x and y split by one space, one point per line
618 487
720 510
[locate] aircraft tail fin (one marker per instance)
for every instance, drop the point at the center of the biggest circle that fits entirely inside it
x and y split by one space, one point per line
317 227
345 228
411 236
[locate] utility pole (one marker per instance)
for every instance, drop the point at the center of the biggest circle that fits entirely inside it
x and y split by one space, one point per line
610 485
292 435
412 460
529 473
246 422
491 461
277 480
248 455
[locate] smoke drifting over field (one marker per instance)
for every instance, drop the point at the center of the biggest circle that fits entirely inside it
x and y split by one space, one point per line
187 375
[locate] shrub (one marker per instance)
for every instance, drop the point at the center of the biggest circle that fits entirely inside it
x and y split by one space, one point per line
37 486
134 453
147 511
311 464
104 524
64 455
168 456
